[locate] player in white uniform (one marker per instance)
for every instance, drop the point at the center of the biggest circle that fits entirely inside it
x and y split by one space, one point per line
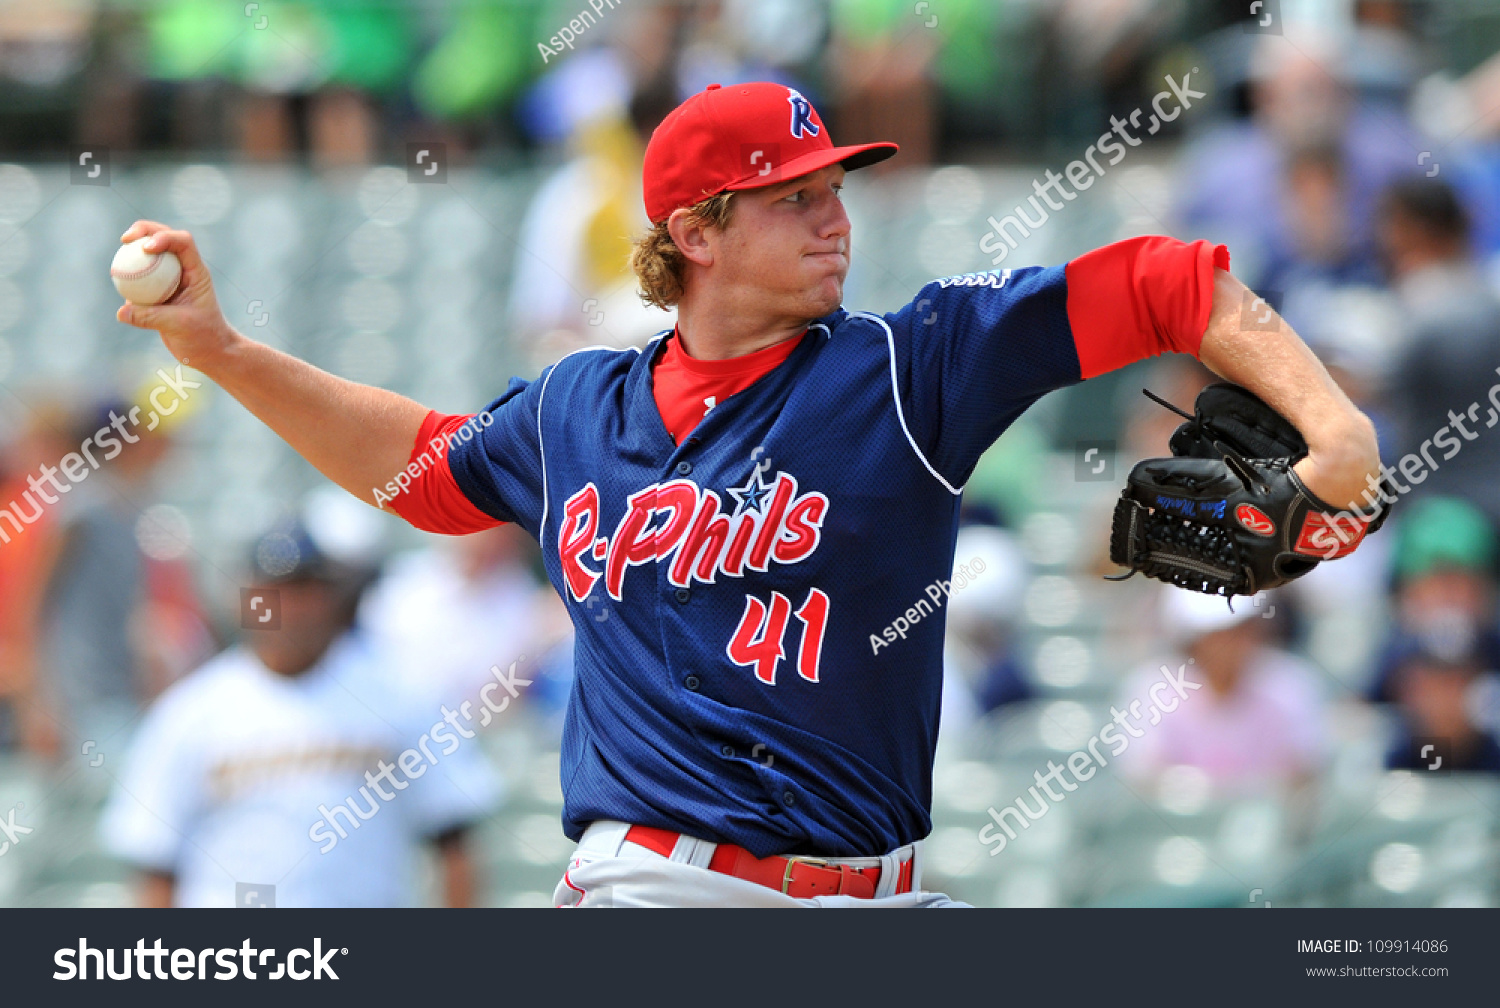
284 763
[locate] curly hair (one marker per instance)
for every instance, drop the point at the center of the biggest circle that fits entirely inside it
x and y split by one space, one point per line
658 262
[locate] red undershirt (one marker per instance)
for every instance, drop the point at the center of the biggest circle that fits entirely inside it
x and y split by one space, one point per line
687 388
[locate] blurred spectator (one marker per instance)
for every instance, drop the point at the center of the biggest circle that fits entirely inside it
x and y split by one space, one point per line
443 616
1256 722
1384 54
28 549
92 664
1436 693
716 44
572 285
253 768
43 42
1445 590
333 79
1100 58
1452 346
1233 178
1319 249
44 46
309 71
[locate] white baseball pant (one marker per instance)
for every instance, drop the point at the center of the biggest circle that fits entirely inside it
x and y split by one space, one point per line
606 870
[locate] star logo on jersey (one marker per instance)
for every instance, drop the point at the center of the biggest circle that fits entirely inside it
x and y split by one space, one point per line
751 496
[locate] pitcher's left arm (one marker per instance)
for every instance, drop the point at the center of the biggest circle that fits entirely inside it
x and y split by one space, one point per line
1343 463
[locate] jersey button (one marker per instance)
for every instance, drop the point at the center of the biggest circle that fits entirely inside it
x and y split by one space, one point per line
788 799
691 682
727 751
682 595
683 468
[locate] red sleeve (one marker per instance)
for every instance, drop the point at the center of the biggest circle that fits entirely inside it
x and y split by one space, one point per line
1141 297
430 499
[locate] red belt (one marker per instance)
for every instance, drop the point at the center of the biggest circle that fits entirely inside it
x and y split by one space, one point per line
795 876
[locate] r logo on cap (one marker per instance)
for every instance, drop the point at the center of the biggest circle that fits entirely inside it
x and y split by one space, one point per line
801 115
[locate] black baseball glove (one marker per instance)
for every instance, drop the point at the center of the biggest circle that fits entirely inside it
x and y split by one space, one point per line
1226 515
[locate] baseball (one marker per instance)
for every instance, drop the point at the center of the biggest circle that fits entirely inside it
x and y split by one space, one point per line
142 277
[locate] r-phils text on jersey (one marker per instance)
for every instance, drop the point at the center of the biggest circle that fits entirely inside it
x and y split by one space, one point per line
684 524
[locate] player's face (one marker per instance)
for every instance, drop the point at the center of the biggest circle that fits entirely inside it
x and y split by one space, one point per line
313 613
789 243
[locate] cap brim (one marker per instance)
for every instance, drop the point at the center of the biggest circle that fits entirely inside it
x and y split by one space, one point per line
852 158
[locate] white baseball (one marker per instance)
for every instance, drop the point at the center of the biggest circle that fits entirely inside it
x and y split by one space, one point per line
145 278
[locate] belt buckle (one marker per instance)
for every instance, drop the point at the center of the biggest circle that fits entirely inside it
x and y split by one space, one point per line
791 861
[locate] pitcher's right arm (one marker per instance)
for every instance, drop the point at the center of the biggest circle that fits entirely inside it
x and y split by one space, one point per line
358 436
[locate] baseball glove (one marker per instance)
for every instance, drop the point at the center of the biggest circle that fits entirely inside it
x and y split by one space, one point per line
1226 515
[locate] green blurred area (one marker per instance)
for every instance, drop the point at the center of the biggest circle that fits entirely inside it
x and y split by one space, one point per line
463 60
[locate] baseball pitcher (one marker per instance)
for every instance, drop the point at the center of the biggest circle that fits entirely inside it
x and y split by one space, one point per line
734 512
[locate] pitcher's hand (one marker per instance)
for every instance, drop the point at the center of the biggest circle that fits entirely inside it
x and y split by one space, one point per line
190 322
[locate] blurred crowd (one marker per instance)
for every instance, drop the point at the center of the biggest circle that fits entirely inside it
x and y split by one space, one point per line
340 81
1351 162
229 730
1352 175
1355 186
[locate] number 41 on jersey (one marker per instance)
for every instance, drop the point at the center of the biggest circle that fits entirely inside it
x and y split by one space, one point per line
757 641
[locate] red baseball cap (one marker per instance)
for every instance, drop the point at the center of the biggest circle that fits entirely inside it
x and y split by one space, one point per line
740 137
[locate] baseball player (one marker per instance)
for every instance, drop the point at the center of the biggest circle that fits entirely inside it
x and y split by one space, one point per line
737 512
296 769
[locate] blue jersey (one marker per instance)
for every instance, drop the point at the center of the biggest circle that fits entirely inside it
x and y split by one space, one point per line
729 593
